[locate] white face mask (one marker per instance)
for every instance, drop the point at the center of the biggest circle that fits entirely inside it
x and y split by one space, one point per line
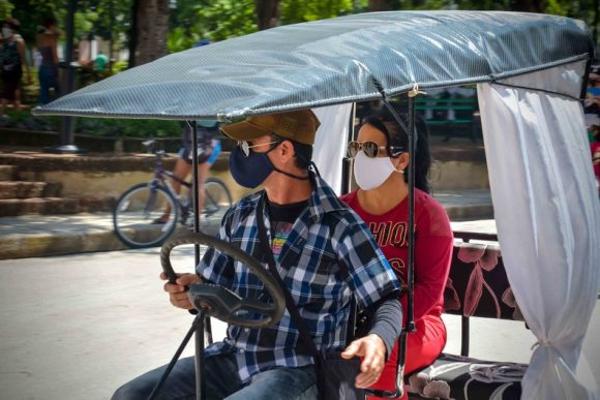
372 172
6 32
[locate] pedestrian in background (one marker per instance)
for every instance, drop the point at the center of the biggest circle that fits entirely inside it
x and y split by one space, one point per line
12 60
47 43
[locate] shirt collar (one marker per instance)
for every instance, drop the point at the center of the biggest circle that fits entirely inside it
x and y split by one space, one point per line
323 199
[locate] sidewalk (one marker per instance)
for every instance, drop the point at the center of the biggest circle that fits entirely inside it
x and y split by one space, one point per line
49 235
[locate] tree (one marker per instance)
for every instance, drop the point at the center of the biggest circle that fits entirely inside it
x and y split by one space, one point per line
379 5
267 13
152 17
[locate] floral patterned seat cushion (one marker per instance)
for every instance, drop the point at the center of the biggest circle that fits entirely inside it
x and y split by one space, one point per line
478 285
472 379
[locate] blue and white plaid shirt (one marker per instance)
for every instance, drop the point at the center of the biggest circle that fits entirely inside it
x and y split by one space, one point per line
329 255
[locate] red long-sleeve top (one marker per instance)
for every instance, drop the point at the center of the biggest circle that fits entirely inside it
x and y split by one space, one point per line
433 249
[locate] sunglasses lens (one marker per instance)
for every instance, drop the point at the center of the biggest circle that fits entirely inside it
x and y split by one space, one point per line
370 149
245 147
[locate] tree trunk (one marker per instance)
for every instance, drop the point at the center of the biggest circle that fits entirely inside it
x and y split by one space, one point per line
267 13
152 17
528 5
379 5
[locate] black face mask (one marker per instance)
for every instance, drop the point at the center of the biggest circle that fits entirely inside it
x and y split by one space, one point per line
251 171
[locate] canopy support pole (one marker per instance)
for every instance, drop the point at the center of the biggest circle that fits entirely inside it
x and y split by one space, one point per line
410 324
205 323
412 147
347 163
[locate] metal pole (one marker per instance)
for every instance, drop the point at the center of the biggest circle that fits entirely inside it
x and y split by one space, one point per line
195 189
199 359
67 134
111 14
596 21
412 147
165 375
347 163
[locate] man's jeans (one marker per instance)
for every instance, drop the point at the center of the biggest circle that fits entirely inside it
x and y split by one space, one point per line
223 382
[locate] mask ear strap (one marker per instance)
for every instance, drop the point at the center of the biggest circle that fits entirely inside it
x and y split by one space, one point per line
281 171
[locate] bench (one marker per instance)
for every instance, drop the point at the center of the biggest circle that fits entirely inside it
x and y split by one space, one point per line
469 378
450 112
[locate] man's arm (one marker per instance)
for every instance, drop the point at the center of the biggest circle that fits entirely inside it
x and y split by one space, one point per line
21 50
378 344
219 273
387 323
373 282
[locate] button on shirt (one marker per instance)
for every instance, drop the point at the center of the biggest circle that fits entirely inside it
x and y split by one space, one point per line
328 257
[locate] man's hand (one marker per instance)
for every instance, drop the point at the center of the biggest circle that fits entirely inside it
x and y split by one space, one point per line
177 292
372 349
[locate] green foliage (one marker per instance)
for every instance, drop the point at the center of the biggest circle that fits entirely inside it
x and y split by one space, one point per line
119 66
6 8
293 11
100 127
31 14
223 19
181 38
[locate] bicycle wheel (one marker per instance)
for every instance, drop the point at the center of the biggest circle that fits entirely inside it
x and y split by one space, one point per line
217 198
136 214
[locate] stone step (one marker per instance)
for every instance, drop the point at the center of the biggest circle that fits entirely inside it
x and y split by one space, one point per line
54 205
23 189
7 172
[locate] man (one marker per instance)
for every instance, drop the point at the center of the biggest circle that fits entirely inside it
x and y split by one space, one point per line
324 254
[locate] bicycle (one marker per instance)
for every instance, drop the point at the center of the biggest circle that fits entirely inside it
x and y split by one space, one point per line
140 206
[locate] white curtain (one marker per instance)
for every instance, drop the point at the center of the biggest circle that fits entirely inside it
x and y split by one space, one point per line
548 218
331 141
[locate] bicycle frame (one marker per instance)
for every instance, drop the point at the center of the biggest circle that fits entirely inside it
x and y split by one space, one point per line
159 179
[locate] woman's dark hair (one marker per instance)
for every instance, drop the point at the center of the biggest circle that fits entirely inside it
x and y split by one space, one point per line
13 23
396 136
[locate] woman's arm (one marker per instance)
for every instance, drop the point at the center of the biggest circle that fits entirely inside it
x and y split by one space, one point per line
21 50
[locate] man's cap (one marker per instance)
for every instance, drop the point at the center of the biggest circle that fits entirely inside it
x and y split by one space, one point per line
299 126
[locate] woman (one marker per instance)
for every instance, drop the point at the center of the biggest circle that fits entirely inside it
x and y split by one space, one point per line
12 59
380 161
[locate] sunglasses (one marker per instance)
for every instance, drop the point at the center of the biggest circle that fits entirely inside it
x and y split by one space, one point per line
245 146
372 149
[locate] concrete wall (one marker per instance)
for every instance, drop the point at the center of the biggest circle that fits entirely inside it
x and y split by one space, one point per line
459 175
112 183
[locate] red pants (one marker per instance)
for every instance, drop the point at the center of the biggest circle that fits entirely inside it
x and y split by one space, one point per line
422 348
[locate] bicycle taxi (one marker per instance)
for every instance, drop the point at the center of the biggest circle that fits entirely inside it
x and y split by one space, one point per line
530 71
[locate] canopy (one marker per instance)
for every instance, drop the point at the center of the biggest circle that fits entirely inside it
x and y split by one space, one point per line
354 58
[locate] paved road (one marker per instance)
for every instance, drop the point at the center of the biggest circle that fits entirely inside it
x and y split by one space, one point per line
76 327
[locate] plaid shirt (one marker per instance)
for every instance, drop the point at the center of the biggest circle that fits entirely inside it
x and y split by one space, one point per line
329 255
